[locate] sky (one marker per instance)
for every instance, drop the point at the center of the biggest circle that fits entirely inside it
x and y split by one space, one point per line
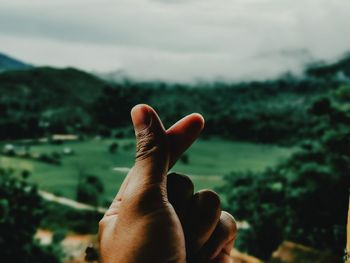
177 40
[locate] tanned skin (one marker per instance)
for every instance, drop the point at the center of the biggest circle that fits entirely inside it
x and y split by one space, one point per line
156 217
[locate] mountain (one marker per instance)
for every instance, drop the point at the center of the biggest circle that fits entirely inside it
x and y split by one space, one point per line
339 69
117 76
51 87
71 100
9 63
61 98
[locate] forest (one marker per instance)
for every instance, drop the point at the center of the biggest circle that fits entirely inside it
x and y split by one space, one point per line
302 198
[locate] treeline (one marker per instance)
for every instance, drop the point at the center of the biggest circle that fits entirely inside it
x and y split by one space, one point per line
22 211
42 101
305 198
269 112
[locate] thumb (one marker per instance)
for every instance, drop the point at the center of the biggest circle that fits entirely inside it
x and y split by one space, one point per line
152 155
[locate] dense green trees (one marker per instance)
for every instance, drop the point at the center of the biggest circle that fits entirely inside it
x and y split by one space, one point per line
268 112
21 211
89 189
41 101
305 198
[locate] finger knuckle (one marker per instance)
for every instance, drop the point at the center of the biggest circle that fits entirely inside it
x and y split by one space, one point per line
101 224
177 182
211 198
228 223
146 144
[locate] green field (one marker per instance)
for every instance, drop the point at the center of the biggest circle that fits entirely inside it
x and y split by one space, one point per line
208 161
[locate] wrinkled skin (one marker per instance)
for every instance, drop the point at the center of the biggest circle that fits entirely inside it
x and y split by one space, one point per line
156 217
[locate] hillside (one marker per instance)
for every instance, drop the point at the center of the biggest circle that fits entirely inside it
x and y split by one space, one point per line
9 63
51 87
283 186
339 69
44 99
38 97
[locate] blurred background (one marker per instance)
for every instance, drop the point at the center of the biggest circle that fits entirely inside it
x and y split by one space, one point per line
270 77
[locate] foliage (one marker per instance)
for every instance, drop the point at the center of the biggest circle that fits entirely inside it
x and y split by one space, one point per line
268 112
21 211
89 189
304 199
113 147
185 159
50 159
62 218
42 101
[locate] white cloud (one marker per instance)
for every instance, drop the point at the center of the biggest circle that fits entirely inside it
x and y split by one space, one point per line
176 40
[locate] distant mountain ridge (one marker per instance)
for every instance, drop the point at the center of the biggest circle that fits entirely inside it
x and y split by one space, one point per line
329 70
70 100
9 63
51 87
338 69
38 95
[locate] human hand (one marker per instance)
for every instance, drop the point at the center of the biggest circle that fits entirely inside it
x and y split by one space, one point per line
158 219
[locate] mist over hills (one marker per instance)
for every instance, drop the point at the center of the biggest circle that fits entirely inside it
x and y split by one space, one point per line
339 69
71 100
323 69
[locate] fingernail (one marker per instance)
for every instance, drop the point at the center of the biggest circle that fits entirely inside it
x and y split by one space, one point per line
197 123
141 117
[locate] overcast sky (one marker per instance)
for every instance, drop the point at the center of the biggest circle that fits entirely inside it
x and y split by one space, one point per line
177 40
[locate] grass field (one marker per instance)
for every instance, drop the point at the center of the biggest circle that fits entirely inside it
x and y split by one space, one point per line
208 161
